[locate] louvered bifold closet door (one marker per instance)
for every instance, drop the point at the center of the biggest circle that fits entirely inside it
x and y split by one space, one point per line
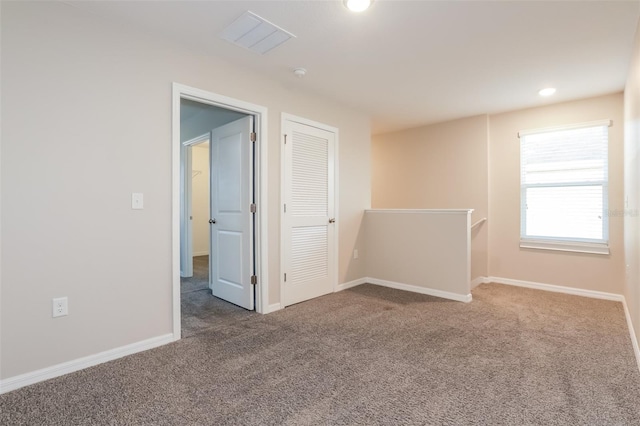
310 203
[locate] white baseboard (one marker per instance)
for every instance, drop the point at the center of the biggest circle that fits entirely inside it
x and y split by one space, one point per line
272 308
350 284
405 287
479 280
422 290
557 288
16 382
634 340
201 253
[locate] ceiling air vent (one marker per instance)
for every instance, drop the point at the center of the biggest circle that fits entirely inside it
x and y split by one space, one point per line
255 33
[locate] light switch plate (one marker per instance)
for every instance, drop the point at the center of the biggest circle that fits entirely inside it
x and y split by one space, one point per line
137 201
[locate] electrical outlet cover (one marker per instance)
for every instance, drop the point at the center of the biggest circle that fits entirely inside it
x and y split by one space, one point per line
60 307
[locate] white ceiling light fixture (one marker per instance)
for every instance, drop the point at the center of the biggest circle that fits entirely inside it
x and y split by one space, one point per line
300 72
547 91
357 5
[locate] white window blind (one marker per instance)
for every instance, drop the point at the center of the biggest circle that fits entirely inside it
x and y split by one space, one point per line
564 188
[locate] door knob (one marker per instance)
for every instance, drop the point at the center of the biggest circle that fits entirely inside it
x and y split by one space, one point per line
212 221
332 220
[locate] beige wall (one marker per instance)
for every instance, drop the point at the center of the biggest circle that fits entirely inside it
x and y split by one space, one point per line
442 166
507 259
475 163
200 199
632 187
84 103
424 249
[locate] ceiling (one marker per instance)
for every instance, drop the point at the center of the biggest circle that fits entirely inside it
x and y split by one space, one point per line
192 110
197 118
410 63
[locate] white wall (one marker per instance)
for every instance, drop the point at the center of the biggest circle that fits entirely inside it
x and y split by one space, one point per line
200 199
86 121
632 187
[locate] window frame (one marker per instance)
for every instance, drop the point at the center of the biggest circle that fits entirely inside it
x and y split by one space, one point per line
580 245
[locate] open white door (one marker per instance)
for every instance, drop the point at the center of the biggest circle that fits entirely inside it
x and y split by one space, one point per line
231 227
309 212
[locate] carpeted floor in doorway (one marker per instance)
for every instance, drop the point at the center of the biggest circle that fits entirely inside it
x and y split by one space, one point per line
200 279
368 356
200 310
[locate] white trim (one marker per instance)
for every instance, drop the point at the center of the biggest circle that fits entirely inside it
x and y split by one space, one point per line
186 211
273 307
422 290
558 289
350 284
468 253
16 382
198 139
181 91
336 188
336 205
422 211
283 245
483 220
307 122
176 148
406 287
596 123
576 247
634 340
1 348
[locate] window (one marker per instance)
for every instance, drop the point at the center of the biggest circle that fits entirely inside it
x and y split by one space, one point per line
564 188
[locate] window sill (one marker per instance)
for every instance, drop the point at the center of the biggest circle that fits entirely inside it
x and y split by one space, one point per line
574 246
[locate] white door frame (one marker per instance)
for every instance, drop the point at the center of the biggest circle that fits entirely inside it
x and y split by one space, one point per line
186 224
181 91
290 117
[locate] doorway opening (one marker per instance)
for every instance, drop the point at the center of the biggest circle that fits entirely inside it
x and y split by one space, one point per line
219 210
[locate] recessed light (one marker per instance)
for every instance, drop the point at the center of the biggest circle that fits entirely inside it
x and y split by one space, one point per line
547 91
357 5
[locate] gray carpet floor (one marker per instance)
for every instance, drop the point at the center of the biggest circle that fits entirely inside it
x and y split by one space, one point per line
368 356
200 279
200 310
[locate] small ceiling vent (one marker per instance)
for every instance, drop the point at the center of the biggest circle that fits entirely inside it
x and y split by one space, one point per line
255 33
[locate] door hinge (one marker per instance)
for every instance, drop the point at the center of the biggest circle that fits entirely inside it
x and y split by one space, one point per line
253 136
285 208
285 277
253 207
254 280
285 139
